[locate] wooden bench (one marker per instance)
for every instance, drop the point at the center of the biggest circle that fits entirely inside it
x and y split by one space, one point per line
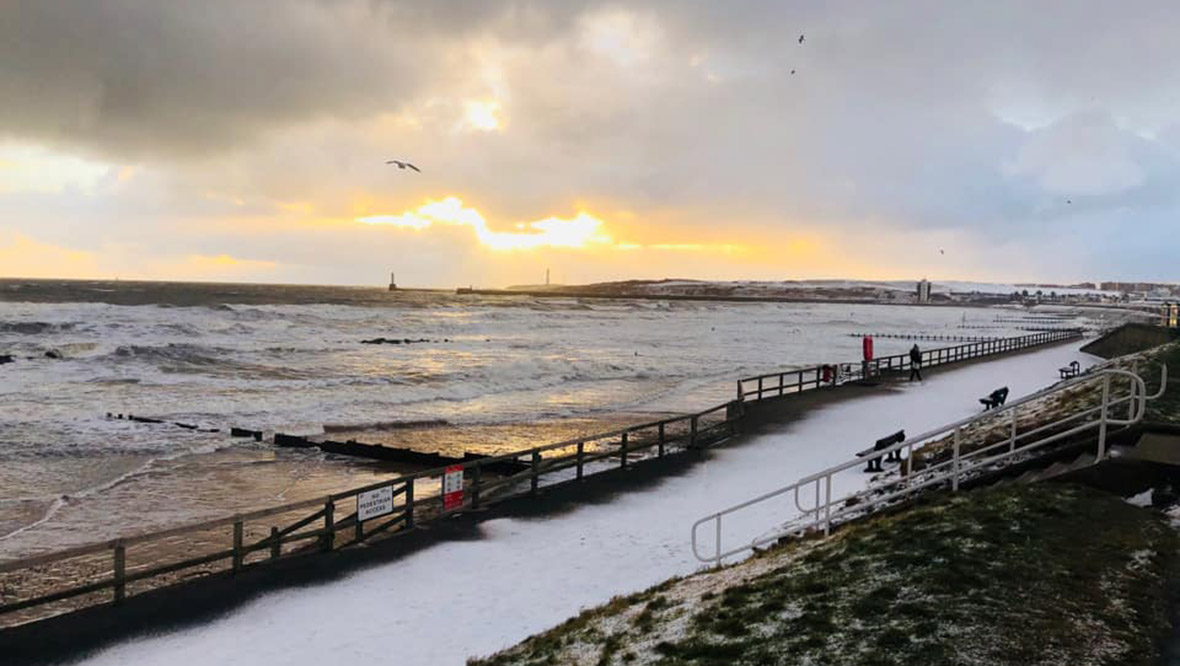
883 443
995 398
1072 370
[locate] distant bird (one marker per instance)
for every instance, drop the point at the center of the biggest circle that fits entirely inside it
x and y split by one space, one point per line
792 72
1069 201
800 39
941 251
403 165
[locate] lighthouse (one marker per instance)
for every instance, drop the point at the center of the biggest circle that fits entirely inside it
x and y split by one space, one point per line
392 281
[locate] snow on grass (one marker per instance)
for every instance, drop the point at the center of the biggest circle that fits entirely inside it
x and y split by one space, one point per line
955 580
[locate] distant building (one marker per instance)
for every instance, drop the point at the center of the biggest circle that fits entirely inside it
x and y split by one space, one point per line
923 291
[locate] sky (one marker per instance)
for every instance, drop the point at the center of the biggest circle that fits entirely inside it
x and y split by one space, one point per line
247 141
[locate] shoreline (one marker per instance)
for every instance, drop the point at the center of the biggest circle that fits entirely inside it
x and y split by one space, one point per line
220 593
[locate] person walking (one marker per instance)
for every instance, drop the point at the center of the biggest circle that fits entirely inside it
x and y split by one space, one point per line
915 363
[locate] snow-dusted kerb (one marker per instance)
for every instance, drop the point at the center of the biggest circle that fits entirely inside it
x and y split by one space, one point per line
824 510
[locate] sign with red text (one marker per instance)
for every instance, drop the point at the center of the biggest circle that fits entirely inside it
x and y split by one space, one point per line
452 487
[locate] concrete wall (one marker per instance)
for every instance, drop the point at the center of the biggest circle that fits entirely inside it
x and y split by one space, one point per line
1130 338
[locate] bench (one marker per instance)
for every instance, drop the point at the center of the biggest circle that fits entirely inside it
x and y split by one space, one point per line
883 443
995 398
1072 370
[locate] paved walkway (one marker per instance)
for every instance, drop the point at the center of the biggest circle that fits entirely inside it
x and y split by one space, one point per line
462 599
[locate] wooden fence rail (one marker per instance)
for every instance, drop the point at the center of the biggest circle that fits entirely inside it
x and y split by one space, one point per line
100 573
416 502
776 384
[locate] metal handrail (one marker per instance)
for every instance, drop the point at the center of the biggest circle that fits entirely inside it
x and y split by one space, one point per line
825 510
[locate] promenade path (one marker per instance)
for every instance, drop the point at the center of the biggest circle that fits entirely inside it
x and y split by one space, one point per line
456 600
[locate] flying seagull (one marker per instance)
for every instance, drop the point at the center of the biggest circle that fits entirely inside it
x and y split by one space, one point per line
403 165
800 39
792 72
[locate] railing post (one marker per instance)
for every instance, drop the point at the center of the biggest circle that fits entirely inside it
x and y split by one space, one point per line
692 438
536 470
740 395
623 450
120 571
276 548
1012 437
582 452
329 537
660 442
828 505
237 557
955 466
476 479
410 504
718 541
1102 419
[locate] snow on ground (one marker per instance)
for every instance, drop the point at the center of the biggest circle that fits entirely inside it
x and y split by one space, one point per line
462 599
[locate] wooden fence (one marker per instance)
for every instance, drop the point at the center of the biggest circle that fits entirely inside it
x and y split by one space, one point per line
108 572
775 384
41 586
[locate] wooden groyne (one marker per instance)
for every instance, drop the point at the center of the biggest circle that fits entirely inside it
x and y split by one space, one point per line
108 572
401 455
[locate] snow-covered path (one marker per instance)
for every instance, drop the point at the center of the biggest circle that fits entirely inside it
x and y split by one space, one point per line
461 599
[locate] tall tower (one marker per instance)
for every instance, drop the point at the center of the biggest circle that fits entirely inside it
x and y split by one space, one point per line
392 281
924 291
546 277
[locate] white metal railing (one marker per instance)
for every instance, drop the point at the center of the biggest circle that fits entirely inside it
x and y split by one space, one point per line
823 509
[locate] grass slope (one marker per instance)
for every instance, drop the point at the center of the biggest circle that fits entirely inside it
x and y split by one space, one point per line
1044 574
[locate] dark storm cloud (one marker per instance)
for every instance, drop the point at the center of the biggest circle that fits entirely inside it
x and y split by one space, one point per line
981 117
131 78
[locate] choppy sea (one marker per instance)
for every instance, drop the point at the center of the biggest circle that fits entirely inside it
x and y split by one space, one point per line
491 374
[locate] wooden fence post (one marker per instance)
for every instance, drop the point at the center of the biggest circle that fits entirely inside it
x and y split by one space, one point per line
276 547
581 455
238 557
536 467
329 537
692 437
410 504
120 572
476 478
623 450
660 443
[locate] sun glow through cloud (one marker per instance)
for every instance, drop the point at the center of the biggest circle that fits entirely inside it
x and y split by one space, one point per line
580 231
482 115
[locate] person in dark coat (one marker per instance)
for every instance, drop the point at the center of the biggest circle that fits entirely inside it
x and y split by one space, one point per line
915 363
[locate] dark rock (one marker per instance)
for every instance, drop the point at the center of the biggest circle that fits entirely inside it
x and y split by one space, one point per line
6 358
53 353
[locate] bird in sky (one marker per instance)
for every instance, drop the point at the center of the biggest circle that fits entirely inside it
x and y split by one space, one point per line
403 165
800 39
792 72
941 251
1069 201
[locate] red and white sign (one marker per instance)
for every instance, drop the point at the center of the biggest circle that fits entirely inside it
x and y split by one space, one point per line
452 487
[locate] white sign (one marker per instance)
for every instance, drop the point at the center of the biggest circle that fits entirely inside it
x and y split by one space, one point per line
374 503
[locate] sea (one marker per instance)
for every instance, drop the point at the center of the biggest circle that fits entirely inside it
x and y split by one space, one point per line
456 373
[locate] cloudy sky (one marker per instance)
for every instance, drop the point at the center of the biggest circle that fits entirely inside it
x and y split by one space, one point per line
231 140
